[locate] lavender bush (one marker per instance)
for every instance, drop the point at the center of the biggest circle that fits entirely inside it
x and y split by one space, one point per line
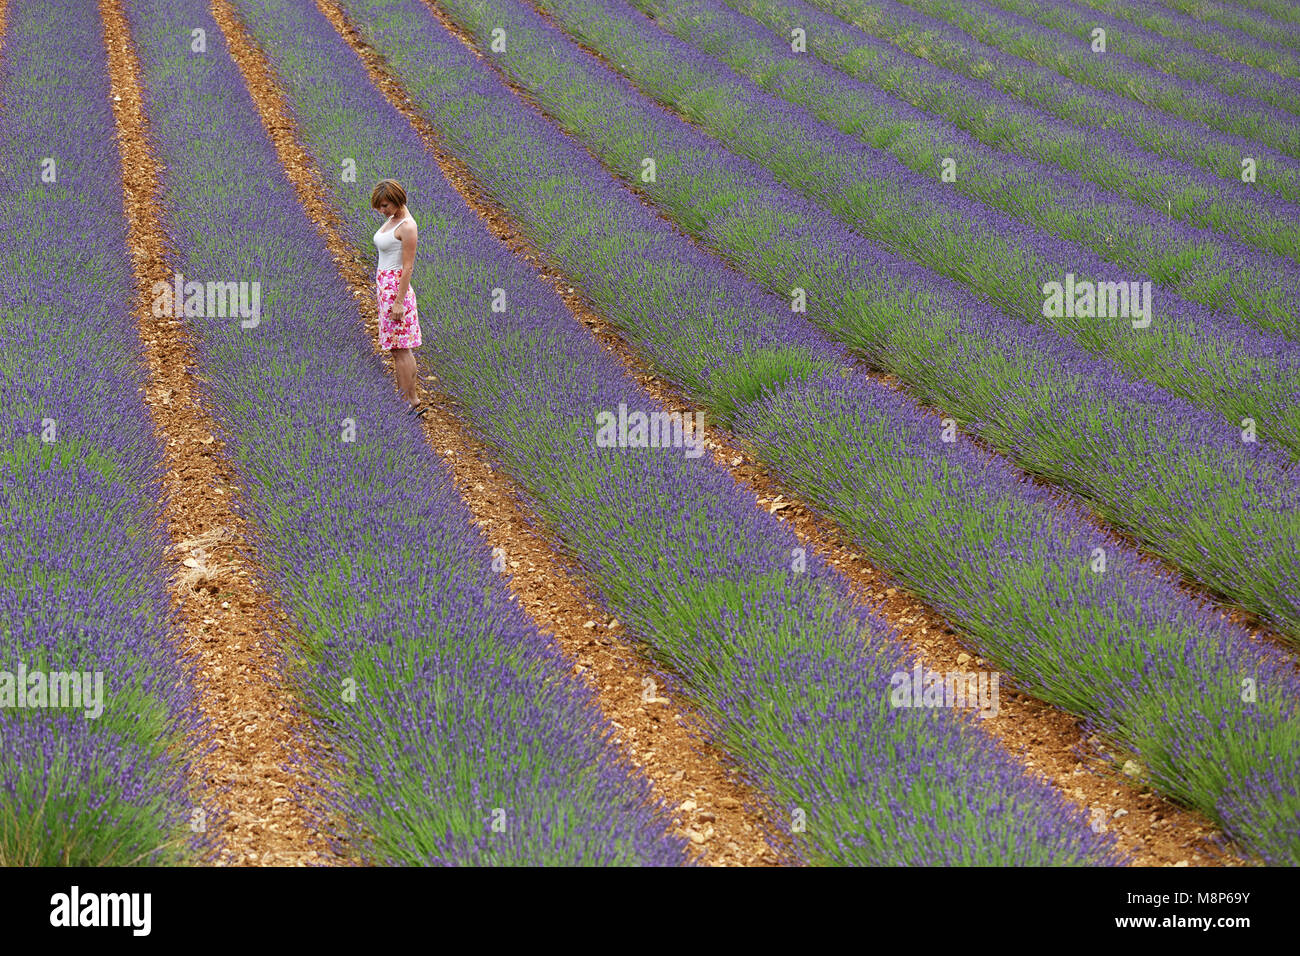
1147 666
1274 20
1225 41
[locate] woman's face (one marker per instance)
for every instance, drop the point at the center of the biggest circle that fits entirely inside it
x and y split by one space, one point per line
387 208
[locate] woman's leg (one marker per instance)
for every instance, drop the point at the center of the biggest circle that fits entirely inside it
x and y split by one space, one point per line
404 365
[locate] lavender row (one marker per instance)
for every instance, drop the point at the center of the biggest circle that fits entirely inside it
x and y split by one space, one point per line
939 511
1275 20
673 546
1113 72
885 200
458 735
1097 153
1220 40
932 39
1174 475
1161 53
94 707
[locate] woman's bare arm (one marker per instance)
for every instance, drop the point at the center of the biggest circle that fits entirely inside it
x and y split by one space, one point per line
408 235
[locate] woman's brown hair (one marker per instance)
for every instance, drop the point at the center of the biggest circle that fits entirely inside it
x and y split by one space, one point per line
390 190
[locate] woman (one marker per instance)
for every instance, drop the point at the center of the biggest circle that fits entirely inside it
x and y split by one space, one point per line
399 322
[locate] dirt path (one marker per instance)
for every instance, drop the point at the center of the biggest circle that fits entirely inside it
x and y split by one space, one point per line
231 631
1151 829
662 738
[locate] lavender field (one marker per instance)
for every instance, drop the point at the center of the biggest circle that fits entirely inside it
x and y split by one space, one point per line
850 433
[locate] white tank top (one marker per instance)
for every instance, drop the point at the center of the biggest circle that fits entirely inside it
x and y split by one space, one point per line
389 246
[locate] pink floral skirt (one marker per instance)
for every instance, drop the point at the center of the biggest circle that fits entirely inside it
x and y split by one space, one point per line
405 332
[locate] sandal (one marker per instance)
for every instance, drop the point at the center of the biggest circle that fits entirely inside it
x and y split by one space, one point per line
420 409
